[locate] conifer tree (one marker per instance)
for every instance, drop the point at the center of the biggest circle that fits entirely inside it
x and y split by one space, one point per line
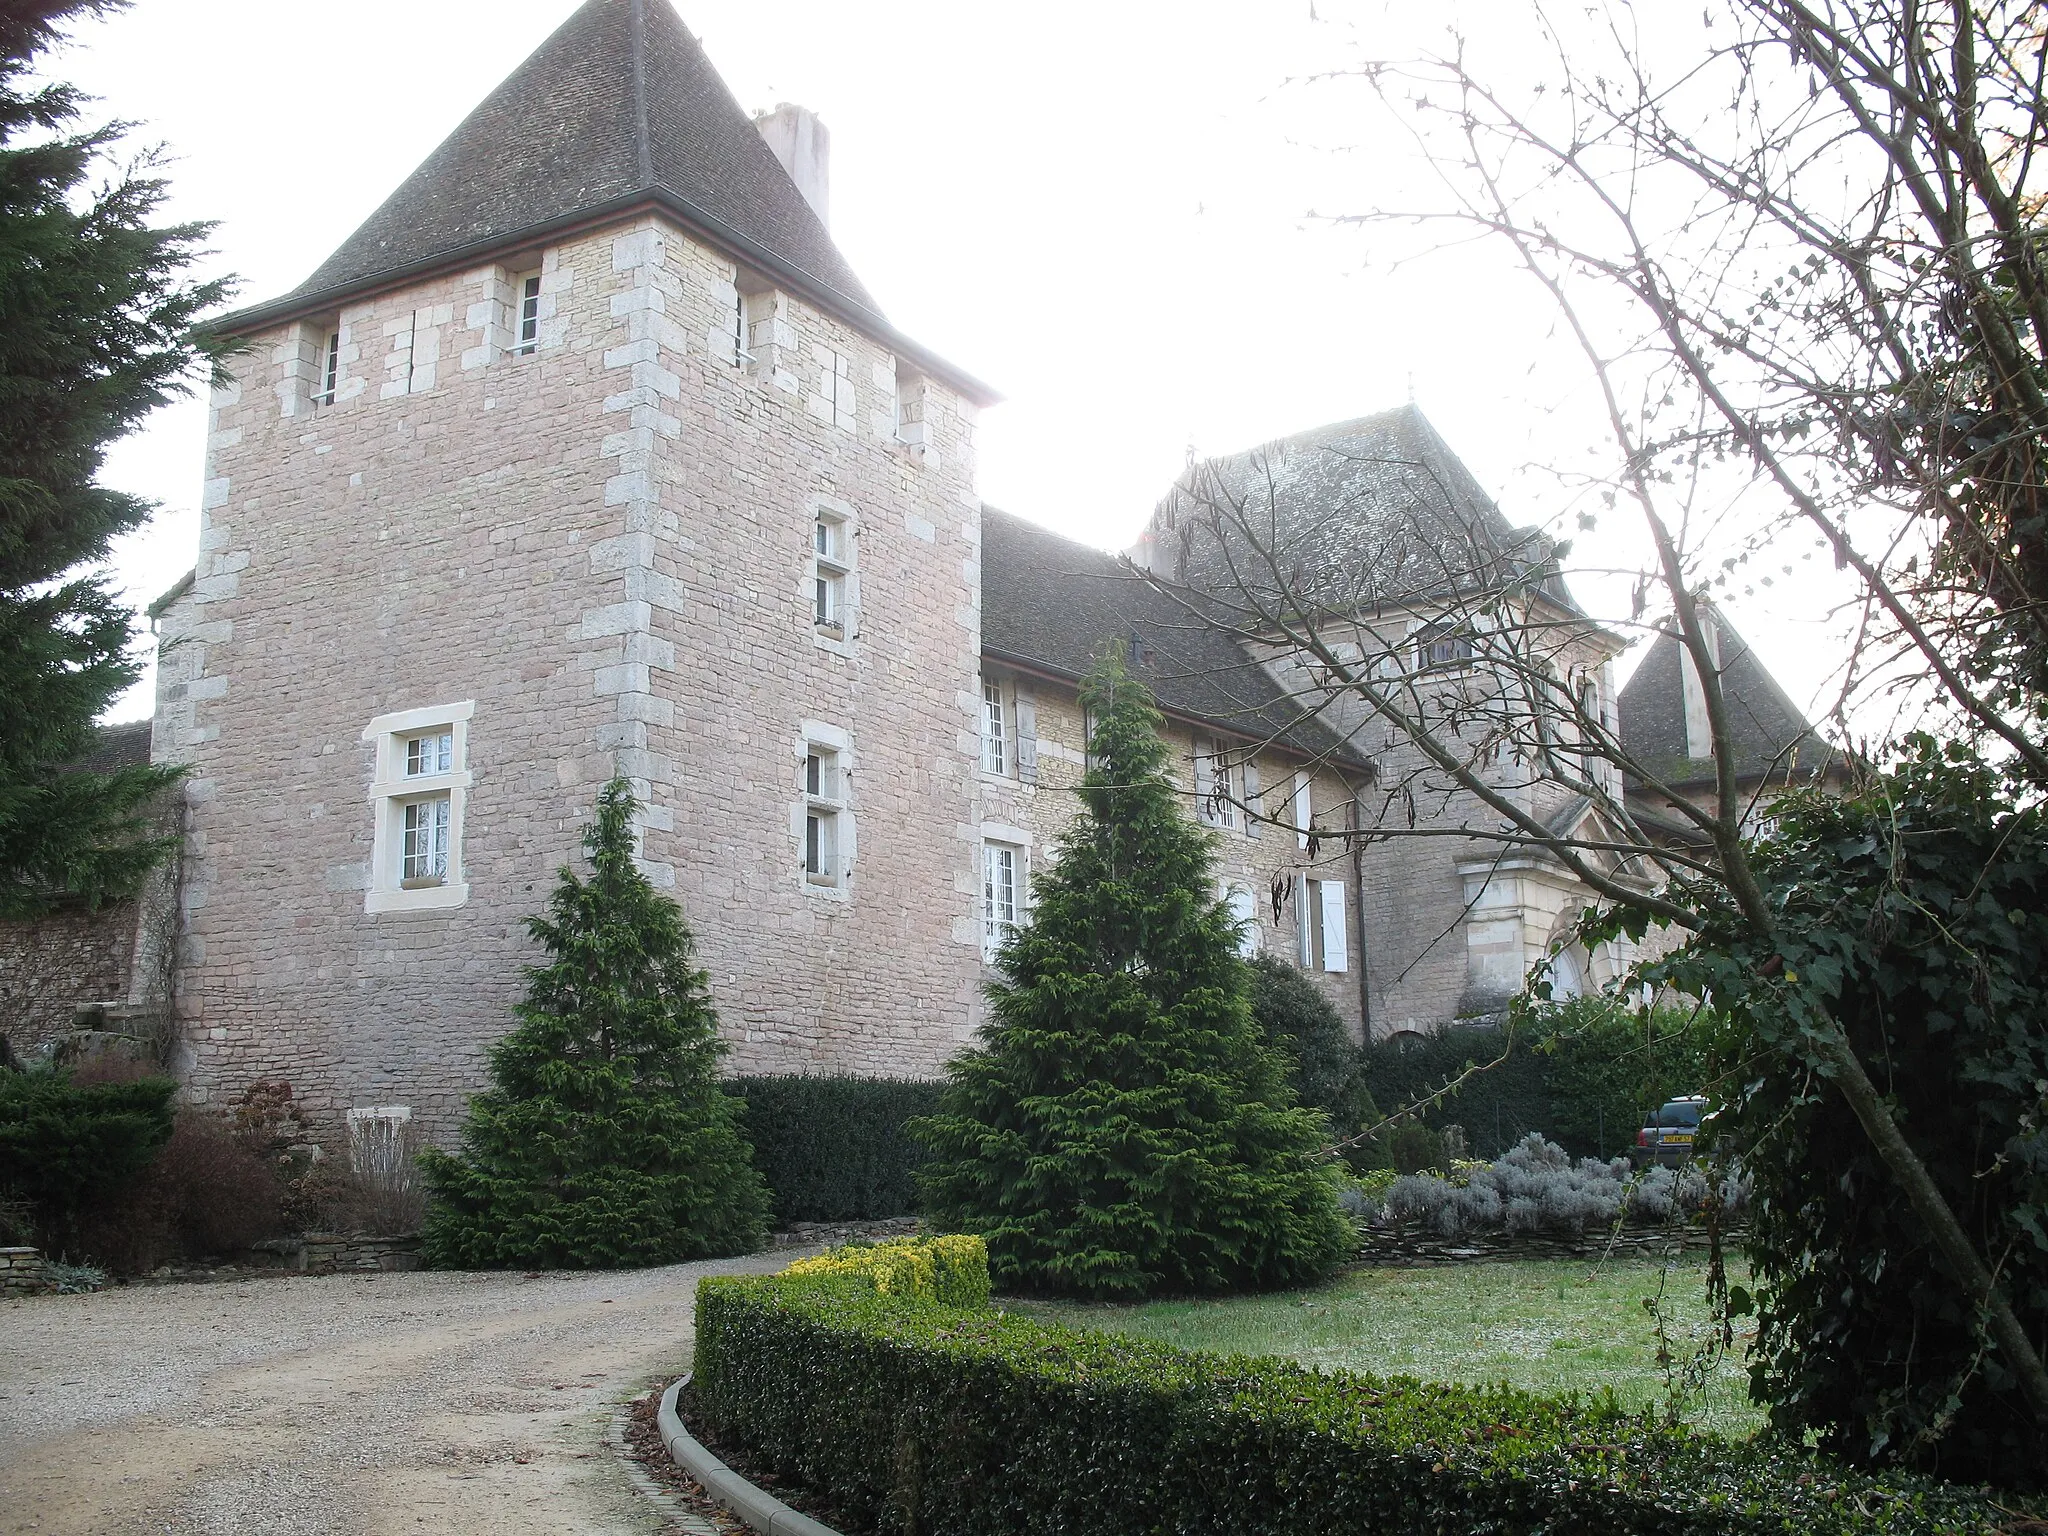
98 332
604 1139
1121 1129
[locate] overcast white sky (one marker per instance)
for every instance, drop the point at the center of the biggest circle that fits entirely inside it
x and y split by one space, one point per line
1102 209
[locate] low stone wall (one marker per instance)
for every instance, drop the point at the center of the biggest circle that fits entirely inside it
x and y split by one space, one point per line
831 1234
1398 1248
328 1253
22 1272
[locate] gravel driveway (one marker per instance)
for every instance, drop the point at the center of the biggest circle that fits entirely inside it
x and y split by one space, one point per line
337 1405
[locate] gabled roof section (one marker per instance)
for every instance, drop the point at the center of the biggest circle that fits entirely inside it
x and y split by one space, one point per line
1770 733
619 108
1359 516
1052 605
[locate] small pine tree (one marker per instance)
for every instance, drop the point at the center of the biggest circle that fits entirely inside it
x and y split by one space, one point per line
1122 1129
604 1139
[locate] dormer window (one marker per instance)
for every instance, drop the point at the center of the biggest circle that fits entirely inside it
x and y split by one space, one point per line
1442 645
327 377
526 318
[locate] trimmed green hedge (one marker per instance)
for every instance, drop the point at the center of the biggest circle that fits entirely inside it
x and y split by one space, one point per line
833 1148
946 1421
1585 1074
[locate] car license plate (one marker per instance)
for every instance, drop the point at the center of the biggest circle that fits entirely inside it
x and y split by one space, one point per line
1678 1138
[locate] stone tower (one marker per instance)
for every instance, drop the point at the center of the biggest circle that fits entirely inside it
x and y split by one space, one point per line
587 454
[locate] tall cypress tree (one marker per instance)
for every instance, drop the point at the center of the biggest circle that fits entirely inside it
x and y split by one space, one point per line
96 331
604 1139
1122 1129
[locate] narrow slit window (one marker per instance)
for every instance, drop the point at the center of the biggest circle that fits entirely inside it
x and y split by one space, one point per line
742 354
824 806
829 566
329 370
995 729
527 331
1001 894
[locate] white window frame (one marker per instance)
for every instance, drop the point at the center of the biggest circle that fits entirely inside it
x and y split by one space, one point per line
393 788
822 819
997 842
1215 784
998 734
526 294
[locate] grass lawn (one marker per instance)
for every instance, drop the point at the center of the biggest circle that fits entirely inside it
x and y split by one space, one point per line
1544 1325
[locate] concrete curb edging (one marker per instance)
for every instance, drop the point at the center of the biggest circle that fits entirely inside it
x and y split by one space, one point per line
761 1511
679 1514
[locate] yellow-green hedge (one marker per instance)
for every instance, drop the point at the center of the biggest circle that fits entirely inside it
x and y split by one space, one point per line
952 1271
851 1374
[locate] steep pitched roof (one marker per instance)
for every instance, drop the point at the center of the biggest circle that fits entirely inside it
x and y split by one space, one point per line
620 100
117 746
1359 515
620 107
1053 605
1770 733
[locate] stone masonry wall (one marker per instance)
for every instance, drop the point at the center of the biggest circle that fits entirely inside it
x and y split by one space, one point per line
605 547
1250 855
52 966
1452 925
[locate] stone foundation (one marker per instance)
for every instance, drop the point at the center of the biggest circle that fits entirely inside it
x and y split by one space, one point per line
329 1253
22 1272
1395 1248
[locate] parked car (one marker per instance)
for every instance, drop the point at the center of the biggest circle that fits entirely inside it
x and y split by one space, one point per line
1669 1136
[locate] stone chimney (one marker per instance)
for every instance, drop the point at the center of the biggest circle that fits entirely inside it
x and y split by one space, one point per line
804 146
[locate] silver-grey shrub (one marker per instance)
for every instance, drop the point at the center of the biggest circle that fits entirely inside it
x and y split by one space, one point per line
1536 1186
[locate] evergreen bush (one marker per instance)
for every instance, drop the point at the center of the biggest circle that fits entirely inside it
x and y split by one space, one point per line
1122 1129
1606 1067
66 1148
604 1139
1584 1073
915 1416
836 1148
1325 1068
1497 1107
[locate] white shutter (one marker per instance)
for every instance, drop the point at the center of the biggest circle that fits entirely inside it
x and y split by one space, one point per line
1334 955
1027 738
1244 909
1302 810
1251 798
1304 920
